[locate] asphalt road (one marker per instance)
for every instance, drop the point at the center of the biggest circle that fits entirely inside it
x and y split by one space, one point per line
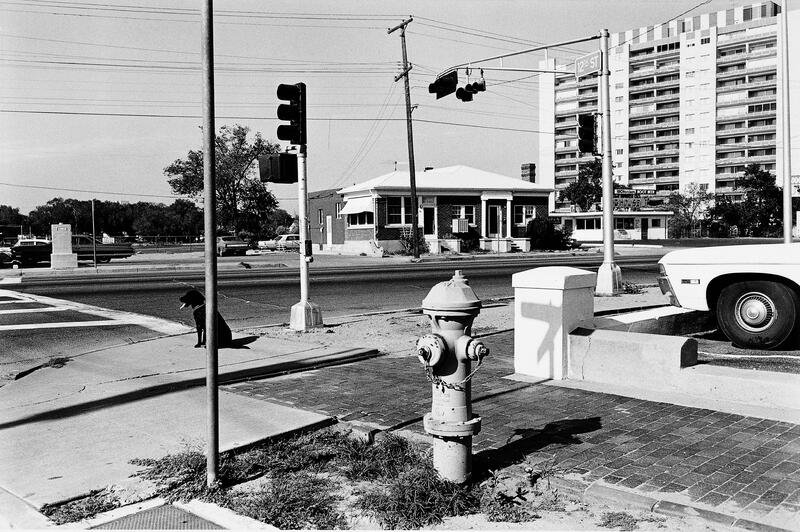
259 297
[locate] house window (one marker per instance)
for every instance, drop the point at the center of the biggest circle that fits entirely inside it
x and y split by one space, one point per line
623 223
655 222
320 217
464 211
588 223
360 219
339 210
523 214
398 210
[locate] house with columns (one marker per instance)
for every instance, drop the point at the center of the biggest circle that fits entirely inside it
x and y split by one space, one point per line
456 205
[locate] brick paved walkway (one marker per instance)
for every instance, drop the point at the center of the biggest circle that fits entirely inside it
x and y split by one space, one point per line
744 467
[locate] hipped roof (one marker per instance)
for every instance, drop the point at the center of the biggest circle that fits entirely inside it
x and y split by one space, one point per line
454 178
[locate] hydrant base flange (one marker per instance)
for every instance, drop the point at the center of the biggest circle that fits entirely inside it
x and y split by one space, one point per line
451 429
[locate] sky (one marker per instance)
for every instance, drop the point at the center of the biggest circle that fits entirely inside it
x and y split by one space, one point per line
97 97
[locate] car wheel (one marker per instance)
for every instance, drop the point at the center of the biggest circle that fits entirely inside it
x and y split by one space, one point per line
758 314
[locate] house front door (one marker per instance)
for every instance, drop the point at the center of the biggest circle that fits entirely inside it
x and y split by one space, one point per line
494 221
429 221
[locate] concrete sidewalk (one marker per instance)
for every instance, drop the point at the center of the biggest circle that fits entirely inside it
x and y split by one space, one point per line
67 431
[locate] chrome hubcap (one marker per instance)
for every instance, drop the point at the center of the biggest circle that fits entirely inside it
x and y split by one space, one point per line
755 312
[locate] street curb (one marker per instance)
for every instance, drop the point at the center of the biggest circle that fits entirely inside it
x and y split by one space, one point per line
600 492
223 517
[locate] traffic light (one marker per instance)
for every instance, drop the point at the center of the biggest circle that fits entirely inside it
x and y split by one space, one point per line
587 138
463 95
444 85
294 112
478 86
277 168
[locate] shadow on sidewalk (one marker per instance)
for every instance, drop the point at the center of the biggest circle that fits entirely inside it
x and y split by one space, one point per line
560 433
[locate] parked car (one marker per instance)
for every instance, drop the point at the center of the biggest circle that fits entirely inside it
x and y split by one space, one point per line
753 290
268 245
5 251
231 245
29 251
288 243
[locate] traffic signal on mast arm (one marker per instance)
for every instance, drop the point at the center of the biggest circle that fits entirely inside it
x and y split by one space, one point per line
277 168
587 136
294 112
444 85
465 94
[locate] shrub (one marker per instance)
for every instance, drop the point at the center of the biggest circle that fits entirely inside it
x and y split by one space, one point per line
543 234
470 241
407 237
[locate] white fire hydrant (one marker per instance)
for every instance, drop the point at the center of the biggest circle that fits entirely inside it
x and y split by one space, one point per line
447 354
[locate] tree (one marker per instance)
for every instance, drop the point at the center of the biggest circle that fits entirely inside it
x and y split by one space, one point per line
759 213
242 200
689 207
587 190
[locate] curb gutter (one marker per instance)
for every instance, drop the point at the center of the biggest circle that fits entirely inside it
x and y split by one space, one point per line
600 492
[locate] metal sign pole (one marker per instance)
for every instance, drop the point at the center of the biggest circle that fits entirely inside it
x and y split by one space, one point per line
94 239
210 219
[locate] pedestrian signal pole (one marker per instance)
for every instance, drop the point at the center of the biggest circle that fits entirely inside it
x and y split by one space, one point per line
210 235
411 171
608 275
305 315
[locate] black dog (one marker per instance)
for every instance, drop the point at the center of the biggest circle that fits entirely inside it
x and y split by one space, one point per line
195 299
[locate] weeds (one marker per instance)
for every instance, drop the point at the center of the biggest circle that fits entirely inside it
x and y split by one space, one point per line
622 520
81 508
417 498
631 288
291 501
498 505
56 362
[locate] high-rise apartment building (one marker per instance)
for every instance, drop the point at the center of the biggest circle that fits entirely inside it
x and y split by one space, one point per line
692 101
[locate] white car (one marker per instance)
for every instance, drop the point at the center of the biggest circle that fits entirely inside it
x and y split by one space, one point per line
753 290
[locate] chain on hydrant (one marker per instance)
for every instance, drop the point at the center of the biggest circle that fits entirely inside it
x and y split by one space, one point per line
447 354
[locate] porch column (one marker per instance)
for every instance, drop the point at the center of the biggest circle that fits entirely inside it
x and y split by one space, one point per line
509 218
483 218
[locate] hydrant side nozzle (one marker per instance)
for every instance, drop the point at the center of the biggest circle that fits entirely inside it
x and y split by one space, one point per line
476 350
429 349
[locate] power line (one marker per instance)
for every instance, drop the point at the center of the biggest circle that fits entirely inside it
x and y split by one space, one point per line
339 119
128 194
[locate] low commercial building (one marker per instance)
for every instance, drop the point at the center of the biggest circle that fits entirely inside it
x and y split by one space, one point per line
457 206
628 225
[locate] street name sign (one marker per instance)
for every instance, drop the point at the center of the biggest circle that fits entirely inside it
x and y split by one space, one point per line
588 64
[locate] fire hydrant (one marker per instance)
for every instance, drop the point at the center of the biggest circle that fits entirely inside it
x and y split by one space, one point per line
447 354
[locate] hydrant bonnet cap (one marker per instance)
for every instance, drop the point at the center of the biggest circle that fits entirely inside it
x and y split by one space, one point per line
452 295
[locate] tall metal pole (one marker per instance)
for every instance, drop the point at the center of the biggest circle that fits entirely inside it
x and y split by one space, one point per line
94 238
786 130
608 276
210 219
411 170
305 315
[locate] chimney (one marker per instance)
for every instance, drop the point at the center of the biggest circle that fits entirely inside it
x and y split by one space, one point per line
529 172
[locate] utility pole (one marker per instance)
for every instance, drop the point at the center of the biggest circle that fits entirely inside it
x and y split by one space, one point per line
786 130
608 275
210 220
94 239
411 171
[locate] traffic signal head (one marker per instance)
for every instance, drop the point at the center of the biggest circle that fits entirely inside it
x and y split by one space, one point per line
277 168
444 85
294 112
587 138
478 86
464 95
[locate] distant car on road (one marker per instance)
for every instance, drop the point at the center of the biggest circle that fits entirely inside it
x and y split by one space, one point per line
29 251
281 243
753 290
231 245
